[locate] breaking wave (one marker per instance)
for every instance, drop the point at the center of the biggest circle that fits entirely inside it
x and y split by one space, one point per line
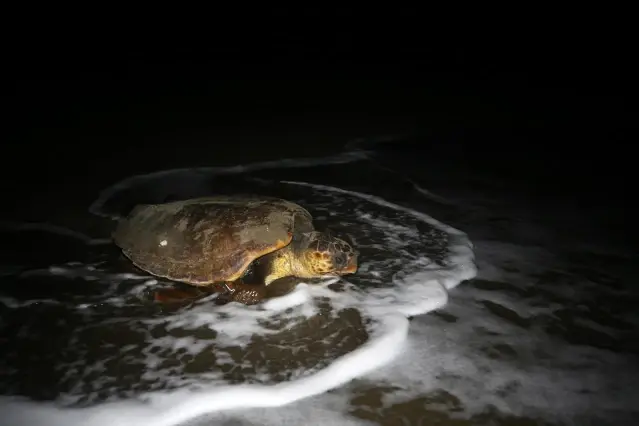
106 355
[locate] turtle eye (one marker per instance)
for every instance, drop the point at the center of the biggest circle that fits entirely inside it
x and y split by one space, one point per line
339 260
322 245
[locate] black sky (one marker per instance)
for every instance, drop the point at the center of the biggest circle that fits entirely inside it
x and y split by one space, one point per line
568 101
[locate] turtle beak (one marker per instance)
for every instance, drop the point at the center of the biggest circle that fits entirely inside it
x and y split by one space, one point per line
351 268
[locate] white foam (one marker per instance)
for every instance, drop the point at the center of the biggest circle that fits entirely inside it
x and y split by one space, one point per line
419 287
176 407
484 358
380 201
299 296
534 374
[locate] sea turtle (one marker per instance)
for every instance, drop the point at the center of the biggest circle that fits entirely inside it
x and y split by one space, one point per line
217 242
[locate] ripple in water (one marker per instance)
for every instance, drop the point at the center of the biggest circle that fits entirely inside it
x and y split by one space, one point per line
84 335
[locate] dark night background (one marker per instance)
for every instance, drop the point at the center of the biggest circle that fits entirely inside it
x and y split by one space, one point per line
553 114
547 115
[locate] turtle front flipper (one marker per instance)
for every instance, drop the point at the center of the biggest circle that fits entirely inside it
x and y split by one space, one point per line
248 294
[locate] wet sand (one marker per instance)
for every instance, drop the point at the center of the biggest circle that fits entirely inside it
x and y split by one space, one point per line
152 136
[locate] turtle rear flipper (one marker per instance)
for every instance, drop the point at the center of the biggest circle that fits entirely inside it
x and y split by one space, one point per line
175 295
248 294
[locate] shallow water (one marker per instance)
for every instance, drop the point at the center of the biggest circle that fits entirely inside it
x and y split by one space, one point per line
472 305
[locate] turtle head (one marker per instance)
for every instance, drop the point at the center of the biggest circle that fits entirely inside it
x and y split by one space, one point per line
322 254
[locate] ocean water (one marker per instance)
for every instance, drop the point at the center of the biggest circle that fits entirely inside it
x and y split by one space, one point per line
475 303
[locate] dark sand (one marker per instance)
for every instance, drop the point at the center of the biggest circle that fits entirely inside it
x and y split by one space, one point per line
71 147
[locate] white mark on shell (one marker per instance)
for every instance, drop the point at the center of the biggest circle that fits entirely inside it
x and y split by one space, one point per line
163 243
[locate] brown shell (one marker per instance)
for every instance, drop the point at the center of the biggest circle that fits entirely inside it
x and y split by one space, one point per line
207 240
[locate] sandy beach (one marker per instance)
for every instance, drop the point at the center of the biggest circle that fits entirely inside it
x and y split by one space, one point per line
543 334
